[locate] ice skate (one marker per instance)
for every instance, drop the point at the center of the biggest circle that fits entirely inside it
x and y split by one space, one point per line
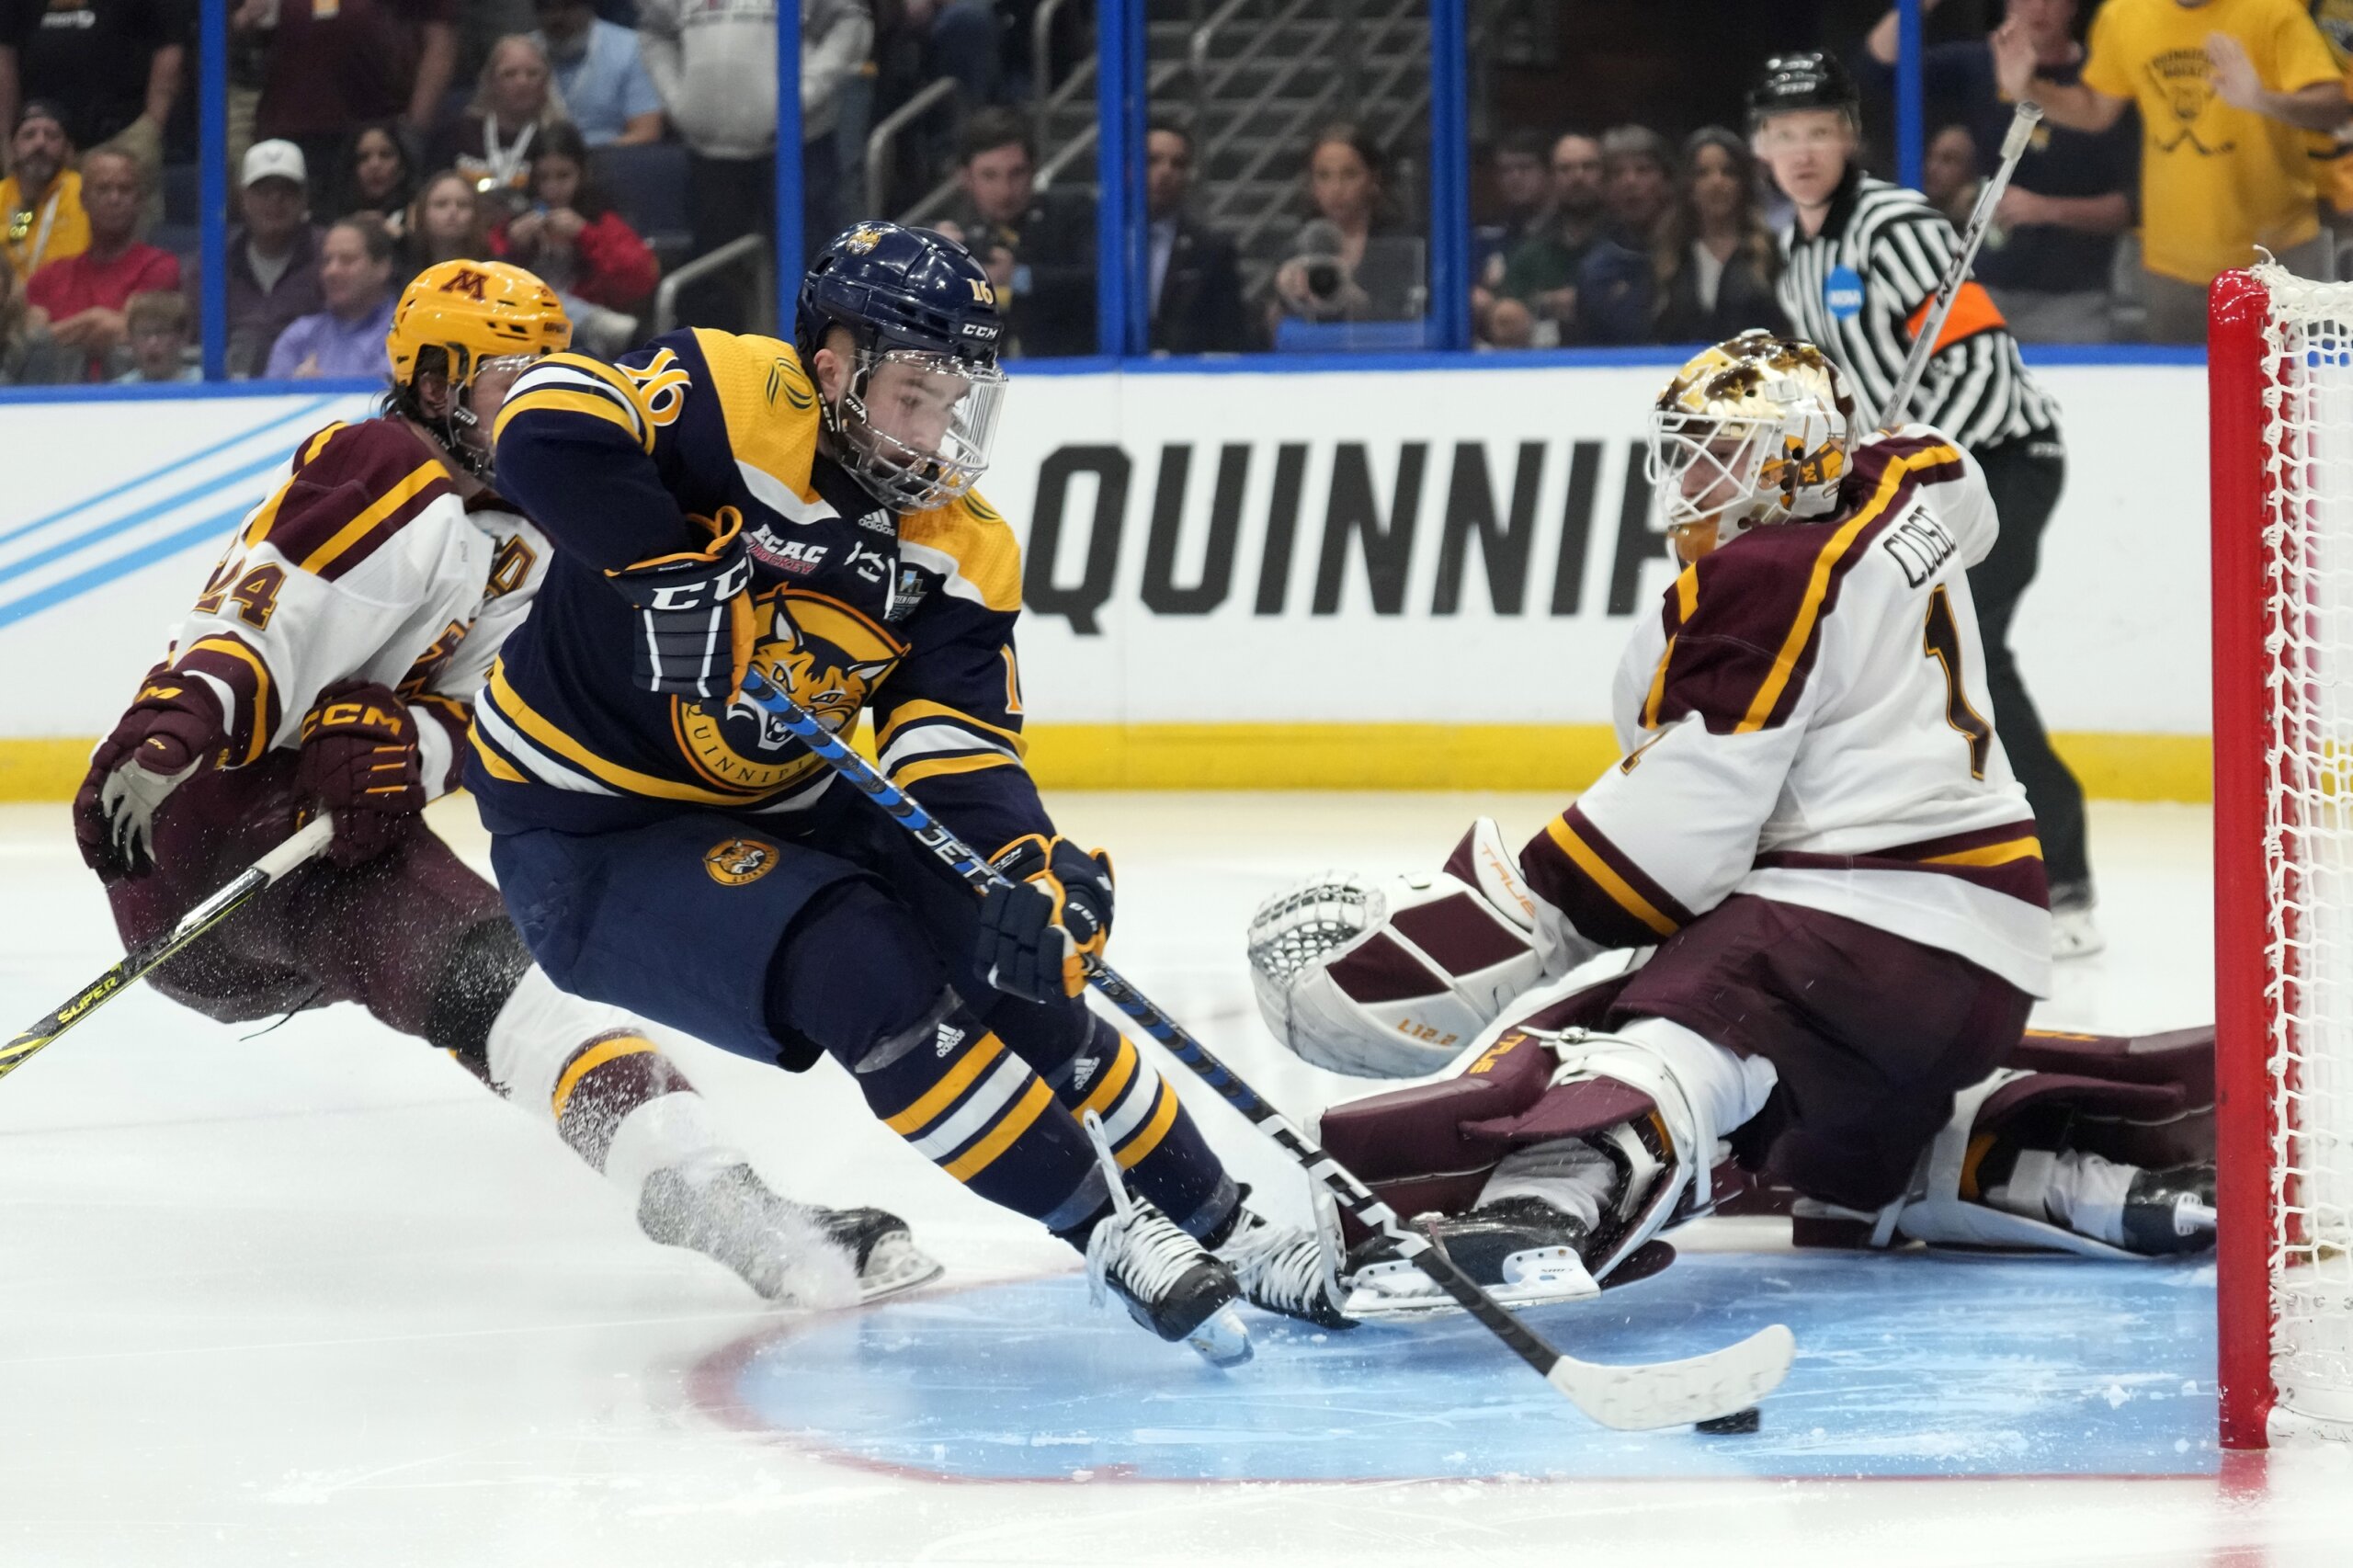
1169 1281
792 1254
1522 1251
1287 1270
2171 1211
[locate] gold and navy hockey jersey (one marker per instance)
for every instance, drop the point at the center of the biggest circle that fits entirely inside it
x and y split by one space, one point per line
854 607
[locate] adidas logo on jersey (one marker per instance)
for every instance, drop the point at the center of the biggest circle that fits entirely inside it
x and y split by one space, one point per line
1086 1067
948 1039
880 521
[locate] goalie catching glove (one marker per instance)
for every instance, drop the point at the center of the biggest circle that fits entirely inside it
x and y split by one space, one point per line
1394 979
169 735
1050 914
359 761
696 631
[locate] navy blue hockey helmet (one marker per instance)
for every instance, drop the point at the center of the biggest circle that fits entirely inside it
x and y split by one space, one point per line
914 422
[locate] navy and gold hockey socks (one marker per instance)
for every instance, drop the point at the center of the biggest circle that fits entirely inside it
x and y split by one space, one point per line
1153 1136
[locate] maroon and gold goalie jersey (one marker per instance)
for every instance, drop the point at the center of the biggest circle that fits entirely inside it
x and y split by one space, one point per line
855 608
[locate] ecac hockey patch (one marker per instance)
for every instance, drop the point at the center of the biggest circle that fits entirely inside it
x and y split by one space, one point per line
740 860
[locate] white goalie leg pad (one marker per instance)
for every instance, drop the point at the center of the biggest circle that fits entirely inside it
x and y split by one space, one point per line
537 1035
1394 979
1933 1210
1702 1091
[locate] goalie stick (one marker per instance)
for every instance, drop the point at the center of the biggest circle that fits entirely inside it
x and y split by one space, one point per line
1629 1398
1916 362
304 843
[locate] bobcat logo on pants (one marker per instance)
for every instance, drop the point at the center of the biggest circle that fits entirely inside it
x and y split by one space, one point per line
740 860
822 654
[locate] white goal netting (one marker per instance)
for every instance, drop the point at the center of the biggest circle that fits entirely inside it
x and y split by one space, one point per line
2308 841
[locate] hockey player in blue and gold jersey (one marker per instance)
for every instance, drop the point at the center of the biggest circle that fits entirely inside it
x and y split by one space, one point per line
719 502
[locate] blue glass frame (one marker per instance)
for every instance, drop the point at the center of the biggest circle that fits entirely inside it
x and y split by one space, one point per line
1122 331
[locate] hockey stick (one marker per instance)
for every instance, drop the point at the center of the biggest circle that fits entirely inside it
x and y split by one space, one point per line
1916 362
1631 1398
305 842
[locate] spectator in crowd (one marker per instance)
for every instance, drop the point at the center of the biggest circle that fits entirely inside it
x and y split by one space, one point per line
603 83
1616 303
1537 298
579 246
157 328
333 66
1195 279
492 143
273 258
1717 263
1354 260
376 176
1039 250
84 296
444 223
2228 94
26 355
115 65
345 338
41 198
1523 188
715 69
1948 174
2050 256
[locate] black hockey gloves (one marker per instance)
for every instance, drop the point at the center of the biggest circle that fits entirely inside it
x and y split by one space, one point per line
696 610
359 761
171 733
1035 934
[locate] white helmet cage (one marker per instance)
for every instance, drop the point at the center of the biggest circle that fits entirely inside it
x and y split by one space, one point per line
1752 430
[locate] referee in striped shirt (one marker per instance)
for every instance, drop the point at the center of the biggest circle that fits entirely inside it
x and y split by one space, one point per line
1861 264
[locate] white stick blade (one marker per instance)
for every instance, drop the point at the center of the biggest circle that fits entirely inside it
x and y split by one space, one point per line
1676 1393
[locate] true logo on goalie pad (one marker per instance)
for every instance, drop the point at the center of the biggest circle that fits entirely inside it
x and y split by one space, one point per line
738 862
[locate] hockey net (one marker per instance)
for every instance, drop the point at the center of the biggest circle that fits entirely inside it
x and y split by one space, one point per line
2280 385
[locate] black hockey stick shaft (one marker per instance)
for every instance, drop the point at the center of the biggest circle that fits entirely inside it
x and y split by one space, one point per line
306 842
1603 1392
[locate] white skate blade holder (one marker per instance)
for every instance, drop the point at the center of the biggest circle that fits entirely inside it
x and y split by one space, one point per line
1397 1291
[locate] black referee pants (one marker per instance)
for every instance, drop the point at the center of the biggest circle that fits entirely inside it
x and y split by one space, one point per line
2026 478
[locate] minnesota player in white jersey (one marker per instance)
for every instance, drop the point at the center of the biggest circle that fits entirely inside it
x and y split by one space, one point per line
1814 847
331 662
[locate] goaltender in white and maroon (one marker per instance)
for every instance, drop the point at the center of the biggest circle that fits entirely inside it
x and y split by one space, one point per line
1814 852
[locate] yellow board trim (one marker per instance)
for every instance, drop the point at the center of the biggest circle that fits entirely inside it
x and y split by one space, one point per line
981 1155
1123 1067
424 474
949 1089
1991 854
1561 758
1609 881
589 1061
1817 588
1129 1154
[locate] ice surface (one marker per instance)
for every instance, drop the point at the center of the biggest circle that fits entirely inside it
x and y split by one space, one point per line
315 1297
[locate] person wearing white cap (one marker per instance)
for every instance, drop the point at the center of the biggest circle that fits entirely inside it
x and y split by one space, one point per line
273 258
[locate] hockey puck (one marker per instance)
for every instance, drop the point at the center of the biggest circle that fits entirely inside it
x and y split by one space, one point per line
1739 1421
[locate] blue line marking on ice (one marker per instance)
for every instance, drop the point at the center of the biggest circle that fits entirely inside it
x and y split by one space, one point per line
1910 1365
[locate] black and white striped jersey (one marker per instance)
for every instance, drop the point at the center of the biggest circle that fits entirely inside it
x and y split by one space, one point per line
1860 290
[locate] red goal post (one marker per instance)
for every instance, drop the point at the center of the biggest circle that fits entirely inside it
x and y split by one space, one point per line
2279 383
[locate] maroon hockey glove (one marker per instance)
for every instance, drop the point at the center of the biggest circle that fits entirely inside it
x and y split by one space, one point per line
1036 933
171 733
359 761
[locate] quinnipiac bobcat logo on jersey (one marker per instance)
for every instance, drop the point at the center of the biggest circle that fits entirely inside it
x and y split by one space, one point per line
740 860
824 654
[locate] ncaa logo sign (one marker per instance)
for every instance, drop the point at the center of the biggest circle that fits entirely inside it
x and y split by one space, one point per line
1842 293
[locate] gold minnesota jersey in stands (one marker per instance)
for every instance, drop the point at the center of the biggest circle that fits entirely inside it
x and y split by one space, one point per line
854 607
365 564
